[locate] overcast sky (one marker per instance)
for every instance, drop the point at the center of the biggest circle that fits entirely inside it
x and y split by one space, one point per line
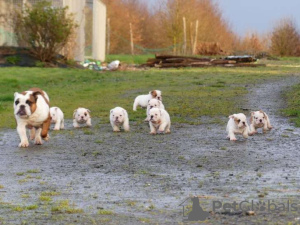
256 15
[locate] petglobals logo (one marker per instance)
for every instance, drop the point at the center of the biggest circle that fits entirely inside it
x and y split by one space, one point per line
196 212
283 205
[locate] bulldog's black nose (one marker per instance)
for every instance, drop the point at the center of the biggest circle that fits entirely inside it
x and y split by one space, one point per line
117 117
82 117
151 117
151 107
22 106
244 123
260 120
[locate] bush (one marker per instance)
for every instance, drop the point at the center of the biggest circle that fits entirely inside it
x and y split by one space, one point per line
285 39
44 29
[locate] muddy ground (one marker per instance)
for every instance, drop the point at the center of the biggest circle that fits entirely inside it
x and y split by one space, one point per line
133 178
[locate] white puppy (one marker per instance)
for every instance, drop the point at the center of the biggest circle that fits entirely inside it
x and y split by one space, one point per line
153 103
119 117
142 100
57 117
237 124
82 116
31 109
159 120
259 119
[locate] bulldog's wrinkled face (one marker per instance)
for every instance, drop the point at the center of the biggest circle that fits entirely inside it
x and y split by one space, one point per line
24 104
240 120
81 115
53 114
154 103
258 117
156 94
118 115
154 115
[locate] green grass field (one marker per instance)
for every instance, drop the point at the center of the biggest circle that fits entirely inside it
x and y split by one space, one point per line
188 93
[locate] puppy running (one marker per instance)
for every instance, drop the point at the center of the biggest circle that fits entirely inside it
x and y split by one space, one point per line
31 109
159 120
142 100
119 117
82 116
259 119
237 124
57 118
153 103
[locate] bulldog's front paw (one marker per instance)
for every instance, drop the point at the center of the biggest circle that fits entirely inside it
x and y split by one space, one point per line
24 144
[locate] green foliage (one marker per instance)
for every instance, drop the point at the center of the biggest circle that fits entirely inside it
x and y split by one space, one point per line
13 59
45 29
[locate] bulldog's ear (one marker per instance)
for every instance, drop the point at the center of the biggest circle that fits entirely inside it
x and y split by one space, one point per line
55 108
15 94
111 111
153 93
74 113
36 93
261 111
231 116
88 110
265 115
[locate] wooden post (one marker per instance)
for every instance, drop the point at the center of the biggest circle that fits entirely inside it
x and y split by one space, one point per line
184 36
108 37
196 37
131 40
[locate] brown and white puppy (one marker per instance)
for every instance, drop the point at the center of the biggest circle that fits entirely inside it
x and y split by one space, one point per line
237 124
31 109
159 119
153 103
57 117
119 117
142 100
82 116
259 119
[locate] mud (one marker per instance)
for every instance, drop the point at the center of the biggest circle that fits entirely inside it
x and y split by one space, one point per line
143 179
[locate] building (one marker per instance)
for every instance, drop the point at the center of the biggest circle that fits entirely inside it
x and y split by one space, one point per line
90 15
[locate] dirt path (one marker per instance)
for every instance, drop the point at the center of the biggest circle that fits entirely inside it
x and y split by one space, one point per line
143 178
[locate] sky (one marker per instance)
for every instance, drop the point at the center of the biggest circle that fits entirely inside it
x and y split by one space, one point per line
256 15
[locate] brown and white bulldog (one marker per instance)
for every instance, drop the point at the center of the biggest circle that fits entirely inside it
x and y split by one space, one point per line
32 111
142 100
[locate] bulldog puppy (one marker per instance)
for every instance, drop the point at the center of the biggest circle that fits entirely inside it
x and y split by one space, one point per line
57 118
82 116
142 100
153 103
259 119
237 124
31 110
159 119
119 117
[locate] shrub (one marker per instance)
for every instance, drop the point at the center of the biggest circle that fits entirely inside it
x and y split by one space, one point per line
285 39
44 29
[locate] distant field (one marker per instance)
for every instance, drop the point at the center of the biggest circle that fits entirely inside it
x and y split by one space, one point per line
188 93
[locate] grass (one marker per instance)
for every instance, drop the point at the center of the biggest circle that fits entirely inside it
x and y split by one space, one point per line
293 105
188 93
